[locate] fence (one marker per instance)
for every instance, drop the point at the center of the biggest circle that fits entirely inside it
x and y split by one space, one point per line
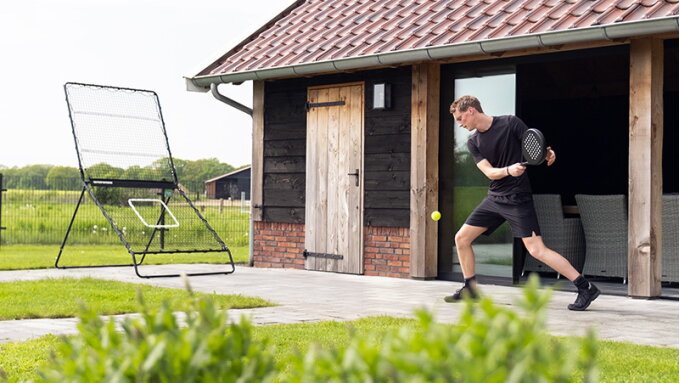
36 212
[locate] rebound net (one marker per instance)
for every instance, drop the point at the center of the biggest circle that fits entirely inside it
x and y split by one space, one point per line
127 170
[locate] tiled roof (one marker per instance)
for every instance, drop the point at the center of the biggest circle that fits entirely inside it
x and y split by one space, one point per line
323 30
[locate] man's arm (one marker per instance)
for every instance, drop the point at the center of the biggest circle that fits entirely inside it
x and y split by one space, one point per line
492 173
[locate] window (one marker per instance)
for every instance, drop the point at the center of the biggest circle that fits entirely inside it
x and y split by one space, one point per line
493 253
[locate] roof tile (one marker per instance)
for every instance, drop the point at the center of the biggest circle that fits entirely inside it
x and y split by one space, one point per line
587 19
538 14
582 8
513 6
664 9
625 4
601 6
320 30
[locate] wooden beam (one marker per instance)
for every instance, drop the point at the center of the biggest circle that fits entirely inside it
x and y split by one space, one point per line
644 168
257 171
424 169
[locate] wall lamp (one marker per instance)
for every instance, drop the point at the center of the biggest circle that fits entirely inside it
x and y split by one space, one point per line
382 95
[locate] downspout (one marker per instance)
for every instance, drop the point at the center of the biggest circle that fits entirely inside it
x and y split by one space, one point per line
216 93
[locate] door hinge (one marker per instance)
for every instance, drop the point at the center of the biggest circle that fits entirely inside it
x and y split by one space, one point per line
310 105
321 255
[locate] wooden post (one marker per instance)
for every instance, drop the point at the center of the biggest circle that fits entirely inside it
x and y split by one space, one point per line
257 170
424 169
644 168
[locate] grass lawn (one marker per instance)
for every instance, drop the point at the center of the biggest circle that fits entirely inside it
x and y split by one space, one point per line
58 298
19 257
619 362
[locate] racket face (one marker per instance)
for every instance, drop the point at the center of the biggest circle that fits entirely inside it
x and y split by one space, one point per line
533 147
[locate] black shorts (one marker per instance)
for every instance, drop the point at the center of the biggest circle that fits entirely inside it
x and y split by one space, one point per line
493 211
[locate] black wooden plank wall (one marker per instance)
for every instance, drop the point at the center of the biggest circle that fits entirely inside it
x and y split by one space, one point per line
387 148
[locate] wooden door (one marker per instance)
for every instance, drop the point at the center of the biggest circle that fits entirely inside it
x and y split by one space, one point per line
334 183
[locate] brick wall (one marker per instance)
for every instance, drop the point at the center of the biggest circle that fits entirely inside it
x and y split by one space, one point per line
387 251
279 245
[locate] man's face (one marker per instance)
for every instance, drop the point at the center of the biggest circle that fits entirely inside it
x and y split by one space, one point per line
464 119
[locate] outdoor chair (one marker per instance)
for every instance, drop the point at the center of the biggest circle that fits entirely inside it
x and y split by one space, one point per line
669 219
605 223
564 235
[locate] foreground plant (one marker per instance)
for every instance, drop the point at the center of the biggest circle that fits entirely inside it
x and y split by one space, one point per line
159 348
490 344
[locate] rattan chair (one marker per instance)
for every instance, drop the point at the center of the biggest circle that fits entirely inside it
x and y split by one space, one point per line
563 235
605 223
669 218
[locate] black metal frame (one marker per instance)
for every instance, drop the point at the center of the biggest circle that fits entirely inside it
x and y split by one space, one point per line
2 190
173 184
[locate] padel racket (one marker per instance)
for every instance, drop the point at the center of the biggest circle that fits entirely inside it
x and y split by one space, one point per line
533 147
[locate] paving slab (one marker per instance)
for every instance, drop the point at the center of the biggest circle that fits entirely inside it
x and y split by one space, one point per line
311 296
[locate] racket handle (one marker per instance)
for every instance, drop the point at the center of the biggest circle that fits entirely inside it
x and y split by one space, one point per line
524 163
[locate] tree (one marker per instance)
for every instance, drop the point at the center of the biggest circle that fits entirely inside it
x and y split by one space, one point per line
196 172
63 178
30 177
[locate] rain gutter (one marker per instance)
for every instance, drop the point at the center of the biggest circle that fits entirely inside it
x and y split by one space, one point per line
545 39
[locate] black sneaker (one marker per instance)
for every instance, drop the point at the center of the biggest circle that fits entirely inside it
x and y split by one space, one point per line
585 298
464 292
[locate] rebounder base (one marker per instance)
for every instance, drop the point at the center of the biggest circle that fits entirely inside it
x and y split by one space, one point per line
131 224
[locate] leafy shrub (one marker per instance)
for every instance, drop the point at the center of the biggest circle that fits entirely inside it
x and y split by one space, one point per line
157 348
489 344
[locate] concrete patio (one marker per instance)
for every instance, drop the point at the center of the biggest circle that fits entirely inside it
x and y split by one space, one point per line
308 296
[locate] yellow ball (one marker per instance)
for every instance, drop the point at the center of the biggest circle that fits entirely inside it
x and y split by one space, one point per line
436 215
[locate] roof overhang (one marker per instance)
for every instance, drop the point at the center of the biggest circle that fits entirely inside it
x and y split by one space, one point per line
538 40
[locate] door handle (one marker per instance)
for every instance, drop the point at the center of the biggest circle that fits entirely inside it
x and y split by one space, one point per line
356 174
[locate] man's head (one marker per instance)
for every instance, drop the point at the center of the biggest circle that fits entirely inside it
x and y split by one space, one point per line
465 110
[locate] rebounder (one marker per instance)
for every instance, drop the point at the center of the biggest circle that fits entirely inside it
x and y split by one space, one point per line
127 169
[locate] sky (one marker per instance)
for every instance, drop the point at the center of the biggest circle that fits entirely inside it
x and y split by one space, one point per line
144 44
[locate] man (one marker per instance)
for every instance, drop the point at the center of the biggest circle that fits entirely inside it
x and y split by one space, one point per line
496 149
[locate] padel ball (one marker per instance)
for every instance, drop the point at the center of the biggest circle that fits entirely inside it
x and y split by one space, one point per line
436 215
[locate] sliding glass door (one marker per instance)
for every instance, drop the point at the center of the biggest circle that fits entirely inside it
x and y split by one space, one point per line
494 252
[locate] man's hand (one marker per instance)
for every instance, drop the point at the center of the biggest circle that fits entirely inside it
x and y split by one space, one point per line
516 170
550 156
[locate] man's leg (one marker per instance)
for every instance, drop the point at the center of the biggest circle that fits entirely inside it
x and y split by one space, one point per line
464 238
587 292
538 250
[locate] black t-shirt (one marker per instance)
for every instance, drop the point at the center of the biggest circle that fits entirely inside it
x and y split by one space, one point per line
501 146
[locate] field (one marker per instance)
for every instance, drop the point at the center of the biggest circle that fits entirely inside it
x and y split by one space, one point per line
41 217
22 257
